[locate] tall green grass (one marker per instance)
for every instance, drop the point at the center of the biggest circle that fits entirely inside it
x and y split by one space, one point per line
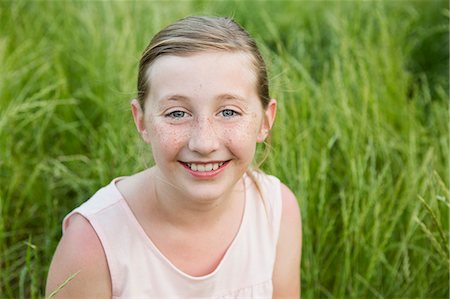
361 137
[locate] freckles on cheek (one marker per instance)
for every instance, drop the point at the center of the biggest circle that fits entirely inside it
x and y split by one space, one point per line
241 133
169 136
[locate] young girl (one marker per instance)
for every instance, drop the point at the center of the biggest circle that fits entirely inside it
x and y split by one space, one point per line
200 223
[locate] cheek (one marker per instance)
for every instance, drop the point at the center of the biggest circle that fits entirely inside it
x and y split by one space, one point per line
241 136
248 128
166 137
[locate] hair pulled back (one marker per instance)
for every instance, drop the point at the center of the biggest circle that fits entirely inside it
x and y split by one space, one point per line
200 33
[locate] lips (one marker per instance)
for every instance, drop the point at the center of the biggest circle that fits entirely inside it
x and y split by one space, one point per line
204 167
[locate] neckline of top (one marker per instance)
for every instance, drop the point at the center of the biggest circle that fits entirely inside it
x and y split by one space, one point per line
149 243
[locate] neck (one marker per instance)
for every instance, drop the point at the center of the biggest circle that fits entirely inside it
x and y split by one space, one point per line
180 210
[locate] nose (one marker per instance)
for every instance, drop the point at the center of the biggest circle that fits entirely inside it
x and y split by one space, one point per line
203 139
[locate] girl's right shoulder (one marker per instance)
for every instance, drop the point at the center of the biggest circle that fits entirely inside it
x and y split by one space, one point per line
79 268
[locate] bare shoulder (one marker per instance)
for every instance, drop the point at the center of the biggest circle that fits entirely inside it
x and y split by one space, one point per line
290 210
286 276
79 268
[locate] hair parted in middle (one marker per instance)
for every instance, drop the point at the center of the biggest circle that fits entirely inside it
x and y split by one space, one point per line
195 34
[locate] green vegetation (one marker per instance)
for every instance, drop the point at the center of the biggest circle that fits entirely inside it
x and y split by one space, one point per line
362 135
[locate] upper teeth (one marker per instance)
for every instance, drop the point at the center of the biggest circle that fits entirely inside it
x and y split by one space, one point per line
204 167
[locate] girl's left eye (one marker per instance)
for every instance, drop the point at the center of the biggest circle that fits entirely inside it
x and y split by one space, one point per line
228 113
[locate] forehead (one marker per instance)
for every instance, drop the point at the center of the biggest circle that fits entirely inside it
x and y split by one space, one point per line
203 74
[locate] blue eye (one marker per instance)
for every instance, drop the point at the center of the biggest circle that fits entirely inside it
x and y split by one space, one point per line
176 114
228 113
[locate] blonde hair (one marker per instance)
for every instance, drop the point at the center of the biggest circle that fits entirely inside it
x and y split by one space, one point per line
196 34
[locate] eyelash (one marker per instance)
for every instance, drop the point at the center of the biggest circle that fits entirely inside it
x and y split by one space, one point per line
235 113
173 113
176 114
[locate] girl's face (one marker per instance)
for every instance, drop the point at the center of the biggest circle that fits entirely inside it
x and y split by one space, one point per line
203 118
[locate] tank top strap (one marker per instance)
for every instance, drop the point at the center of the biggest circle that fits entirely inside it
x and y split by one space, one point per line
268 191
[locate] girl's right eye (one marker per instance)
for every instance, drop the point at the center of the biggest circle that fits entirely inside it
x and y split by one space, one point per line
176 114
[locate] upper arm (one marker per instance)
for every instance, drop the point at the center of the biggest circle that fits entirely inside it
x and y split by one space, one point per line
79 255
286 276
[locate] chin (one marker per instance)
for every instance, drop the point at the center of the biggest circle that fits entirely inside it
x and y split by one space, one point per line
206 193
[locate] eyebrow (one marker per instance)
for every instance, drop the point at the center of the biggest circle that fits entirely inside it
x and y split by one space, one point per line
221 97
171 98
230 96
174 97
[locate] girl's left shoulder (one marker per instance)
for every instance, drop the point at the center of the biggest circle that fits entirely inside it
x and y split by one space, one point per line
286 275
290 207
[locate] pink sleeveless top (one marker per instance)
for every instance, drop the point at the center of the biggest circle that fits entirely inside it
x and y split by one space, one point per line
139 270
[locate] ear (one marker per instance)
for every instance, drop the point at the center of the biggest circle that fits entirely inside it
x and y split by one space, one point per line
139 120
268 119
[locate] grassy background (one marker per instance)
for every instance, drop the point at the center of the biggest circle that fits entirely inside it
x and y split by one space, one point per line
362 135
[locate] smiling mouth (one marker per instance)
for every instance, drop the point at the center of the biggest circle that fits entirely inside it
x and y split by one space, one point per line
205 167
